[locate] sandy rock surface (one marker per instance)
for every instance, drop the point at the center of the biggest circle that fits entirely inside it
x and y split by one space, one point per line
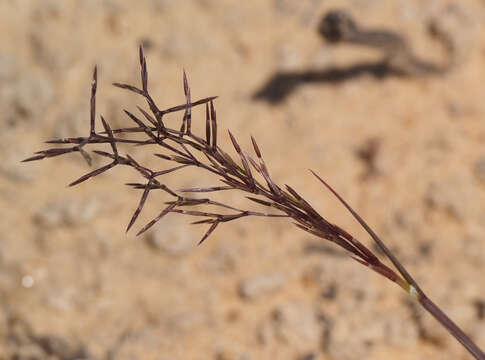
407 152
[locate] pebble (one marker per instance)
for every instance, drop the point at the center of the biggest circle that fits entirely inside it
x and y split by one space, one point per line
73 122
231 351
288 58
187 321
171 238
452 195
24 96
31 95
46 10
297 325
262 285
67 212
224 258
62 348
176 46
323 58
11 167
369 327
285 7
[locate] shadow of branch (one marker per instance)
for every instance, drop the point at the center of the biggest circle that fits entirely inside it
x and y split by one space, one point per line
282 84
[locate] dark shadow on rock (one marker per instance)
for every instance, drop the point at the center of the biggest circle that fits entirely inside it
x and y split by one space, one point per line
282 84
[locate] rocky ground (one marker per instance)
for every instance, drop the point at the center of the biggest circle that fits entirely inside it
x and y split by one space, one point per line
407 152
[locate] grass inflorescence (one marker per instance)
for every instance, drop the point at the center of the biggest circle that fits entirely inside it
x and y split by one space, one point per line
247 173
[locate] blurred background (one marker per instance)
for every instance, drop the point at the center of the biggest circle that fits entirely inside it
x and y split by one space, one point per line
406 151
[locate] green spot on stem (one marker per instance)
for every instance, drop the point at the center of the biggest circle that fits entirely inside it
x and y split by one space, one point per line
413 292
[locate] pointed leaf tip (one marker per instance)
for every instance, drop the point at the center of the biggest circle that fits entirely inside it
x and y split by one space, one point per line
256 147
234 142
140 52
206 235
186 83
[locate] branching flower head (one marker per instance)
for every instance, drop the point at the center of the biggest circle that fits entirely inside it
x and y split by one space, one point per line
247 174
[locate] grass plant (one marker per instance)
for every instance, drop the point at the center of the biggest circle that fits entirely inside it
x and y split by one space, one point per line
245 173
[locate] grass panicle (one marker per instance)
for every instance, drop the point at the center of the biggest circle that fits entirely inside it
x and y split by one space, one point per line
248 175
